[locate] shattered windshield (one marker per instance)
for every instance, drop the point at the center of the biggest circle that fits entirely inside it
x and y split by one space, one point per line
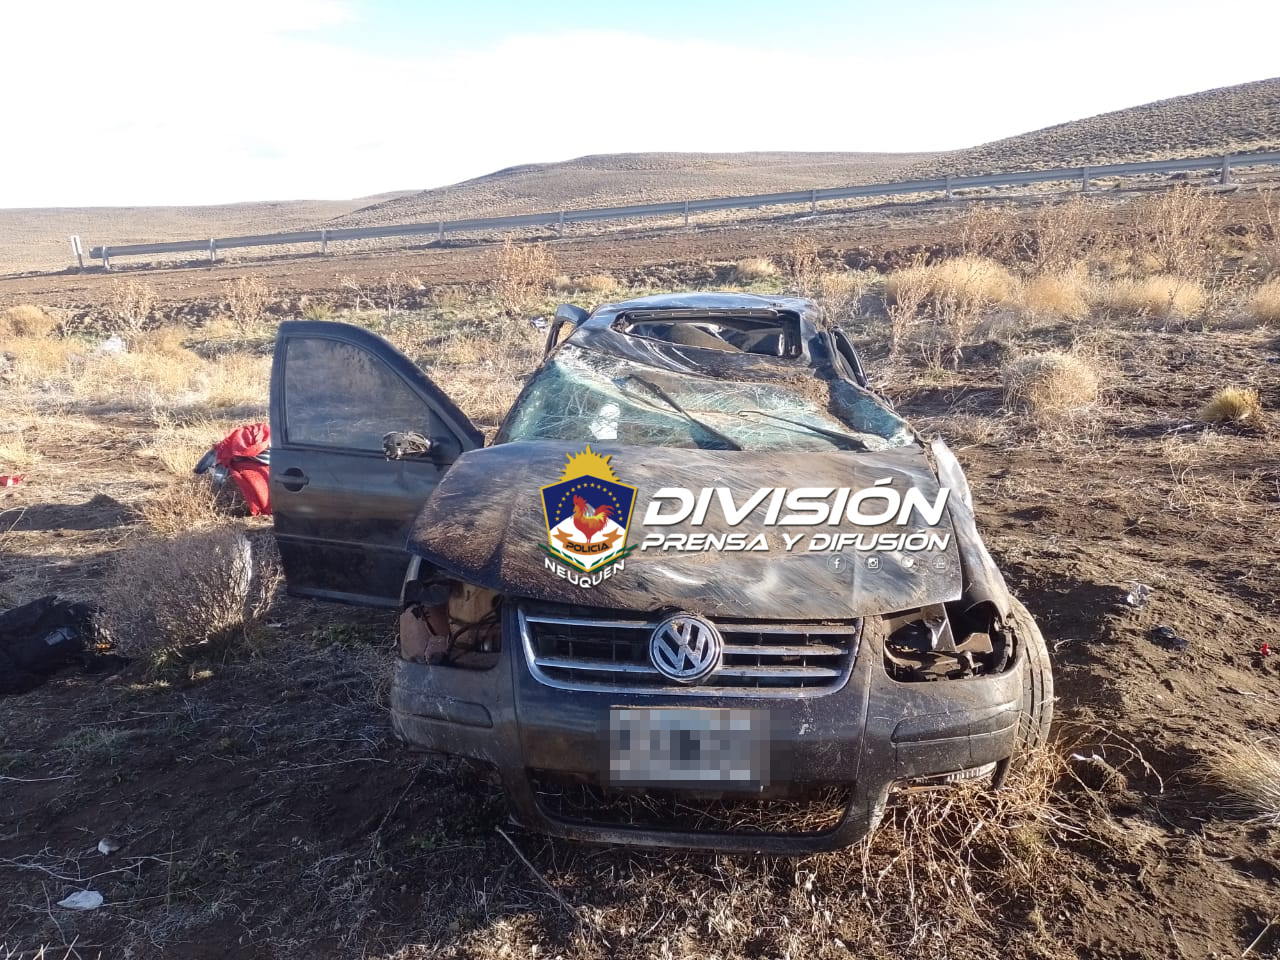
581 396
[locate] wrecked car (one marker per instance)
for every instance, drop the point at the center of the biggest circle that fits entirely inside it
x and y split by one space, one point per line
704 589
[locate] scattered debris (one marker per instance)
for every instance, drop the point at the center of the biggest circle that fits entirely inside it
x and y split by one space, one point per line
112 346
11 479
1167 637
1138 595
109 845
1265 650
82 900
39 638
244 455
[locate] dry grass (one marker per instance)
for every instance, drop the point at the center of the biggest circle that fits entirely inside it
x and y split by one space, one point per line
1250 772
1264 305
246 300
755 268
1163 296
595 283
198 588
1239 406
186 503
177 446
27 320
1058 294
1049 386
970 280
525 273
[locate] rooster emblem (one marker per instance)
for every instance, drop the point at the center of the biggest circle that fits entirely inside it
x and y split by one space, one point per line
588 519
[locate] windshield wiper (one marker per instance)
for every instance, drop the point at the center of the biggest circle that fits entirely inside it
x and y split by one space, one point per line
860 444
662 395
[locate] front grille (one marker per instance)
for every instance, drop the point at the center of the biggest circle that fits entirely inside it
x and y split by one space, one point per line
760 659
563 797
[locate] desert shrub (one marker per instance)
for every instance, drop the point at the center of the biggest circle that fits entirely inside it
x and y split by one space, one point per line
954 293
598 283
1234 405
902 306
1250 772
990 231
753 269
972 280
1163 296
1061 232
246 300
1264 305
201 588
837 293
801 264
1057 294
129 306
26 320
525 273
1179 226
1049 385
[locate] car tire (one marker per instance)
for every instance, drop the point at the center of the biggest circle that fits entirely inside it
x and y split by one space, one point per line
1037 684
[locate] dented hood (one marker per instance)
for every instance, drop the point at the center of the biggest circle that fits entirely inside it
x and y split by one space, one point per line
485 524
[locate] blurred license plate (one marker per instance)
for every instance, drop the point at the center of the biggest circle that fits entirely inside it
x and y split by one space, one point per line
689 747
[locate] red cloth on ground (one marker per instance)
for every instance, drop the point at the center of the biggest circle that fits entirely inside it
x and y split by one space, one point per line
236 451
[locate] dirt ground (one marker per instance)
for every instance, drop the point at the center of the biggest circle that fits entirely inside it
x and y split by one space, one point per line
265 811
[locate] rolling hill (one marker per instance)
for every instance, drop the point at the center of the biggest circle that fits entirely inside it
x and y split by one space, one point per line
1239 118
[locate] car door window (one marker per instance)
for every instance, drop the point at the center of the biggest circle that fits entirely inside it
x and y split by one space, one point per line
339 395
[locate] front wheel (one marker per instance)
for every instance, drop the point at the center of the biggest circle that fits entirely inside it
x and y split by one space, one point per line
1037 684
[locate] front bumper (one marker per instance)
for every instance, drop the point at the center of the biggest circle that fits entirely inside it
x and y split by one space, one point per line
866 737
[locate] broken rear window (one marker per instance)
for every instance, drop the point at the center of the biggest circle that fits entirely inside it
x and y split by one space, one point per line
770 333
581 396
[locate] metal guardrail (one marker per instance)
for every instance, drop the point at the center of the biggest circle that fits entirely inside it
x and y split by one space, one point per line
1082 175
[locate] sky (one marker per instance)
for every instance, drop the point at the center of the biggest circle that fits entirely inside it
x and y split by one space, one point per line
147 102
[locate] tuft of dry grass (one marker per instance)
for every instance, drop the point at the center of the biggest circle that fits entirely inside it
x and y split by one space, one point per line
1250 772
246 300
1058 294
1049 385
525 273
27 320
755 268
971 280
596 283
1163 296
200 588
1264 305
1240 406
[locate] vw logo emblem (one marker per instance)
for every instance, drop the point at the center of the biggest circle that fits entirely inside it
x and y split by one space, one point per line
685 649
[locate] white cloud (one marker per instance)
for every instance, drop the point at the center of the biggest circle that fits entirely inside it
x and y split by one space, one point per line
163 102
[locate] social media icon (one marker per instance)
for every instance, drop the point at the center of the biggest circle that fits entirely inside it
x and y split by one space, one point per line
940 563
837 563
873 563
909 563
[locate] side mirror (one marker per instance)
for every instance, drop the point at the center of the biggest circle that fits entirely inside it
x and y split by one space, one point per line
407 445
